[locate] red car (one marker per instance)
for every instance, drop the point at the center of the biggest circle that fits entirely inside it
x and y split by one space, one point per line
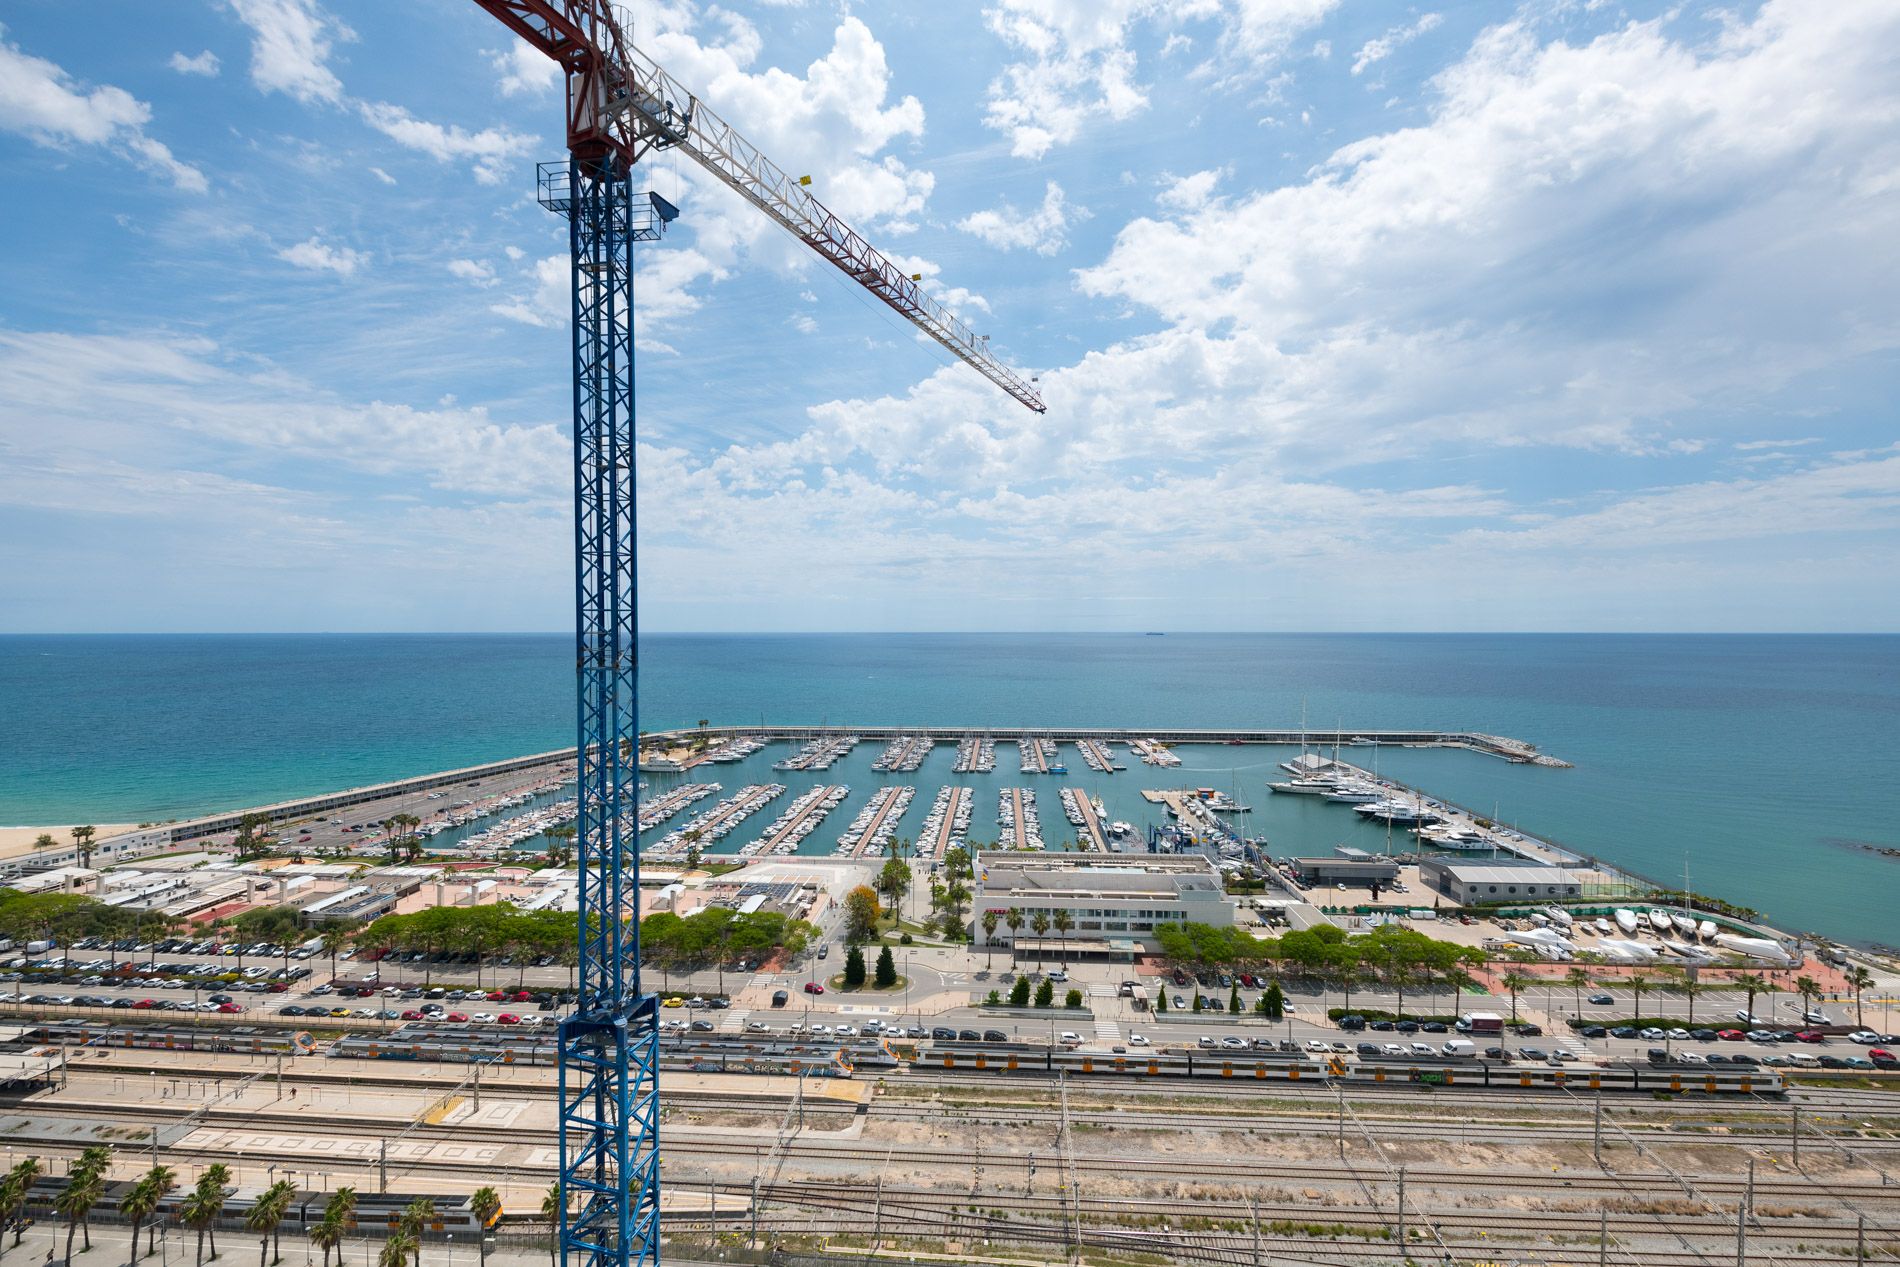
507 1018
1810 1036
412 1015
457 1016
812 987
1732 1035
496 996
143 1004
229 1008
524 996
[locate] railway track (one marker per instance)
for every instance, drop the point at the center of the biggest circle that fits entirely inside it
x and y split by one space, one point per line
874 1158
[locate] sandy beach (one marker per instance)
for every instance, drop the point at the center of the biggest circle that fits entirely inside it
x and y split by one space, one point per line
15 841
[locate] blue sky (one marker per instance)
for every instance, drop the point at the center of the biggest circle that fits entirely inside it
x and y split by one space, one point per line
1349 316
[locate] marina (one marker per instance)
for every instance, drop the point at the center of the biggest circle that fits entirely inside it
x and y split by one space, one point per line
1086 816
1153 752
1037 756
1097 756
820 752
656 810
876 823
800 819
904 754
975 755
948 823
716 823
1016 814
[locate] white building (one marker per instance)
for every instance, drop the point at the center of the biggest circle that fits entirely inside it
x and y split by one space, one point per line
1475 883
1112 898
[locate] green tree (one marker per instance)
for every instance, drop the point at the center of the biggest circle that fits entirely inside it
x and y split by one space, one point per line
339 1212
85 1185
886 969
485 1204
1019 993
397 1247
416 1216
854 968
1576 979
1013 918
1275 999
1195 1006
15 1188
1639 986
1807 988
82 837
266 1217
1063 922
861 914
1858 979
1046 993
159 1182
553 1206
327 1236
1233 998
1161 1001
1515 981
215 1183
1752 984
1039 923
138 1204
989 936
1073 999
893 881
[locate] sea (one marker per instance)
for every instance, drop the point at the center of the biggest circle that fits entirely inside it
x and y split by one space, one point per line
1766 766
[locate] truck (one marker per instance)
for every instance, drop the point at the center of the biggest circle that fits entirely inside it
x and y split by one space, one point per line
38 947
1480 1023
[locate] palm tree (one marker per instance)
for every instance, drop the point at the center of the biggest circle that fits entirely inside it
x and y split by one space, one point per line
1515 981
1040 923
1014 918
267 1215
989 936
137 1205
396 1249
199 1211
1639 986
341 1212
1576 979
1064 922
415 1216
553 1206
1807 988
14 1191
1858 978
1753 985
85 1185
327 1235
215 1183
163 1179
82 837
485 1203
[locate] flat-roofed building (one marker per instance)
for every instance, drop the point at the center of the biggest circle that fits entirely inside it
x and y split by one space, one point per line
1476 883
1109 897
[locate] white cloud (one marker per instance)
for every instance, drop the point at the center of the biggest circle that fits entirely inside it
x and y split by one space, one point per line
205 64
1190 193
319 257
474 271
382 175
1377 50
291 42
41 102
1043 230
525 70
1078 67
494 151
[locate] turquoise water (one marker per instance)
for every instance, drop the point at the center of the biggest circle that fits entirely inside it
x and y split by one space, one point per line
1767 761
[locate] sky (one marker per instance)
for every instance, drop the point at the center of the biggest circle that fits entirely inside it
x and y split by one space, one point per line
1349 316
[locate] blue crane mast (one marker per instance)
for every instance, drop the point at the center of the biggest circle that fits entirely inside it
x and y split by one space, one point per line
620 106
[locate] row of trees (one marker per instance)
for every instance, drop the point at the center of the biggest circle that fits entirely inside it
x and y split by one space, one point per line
718 937
204 1208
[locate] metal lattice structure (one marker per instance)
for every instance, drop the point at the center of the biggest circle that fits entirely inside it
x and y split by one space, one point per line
620 105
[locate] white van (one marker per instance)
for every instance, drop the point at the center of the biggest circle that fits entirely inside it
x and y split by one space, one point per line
1806 1060
1459 1047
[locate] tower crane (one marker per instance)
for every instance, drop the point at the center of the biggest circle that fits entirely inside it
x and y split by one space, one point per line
620 107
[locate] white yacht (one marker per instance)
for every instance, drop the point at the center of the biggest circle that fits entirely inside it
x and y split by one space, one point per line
1355 794
1305 787
1626 920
